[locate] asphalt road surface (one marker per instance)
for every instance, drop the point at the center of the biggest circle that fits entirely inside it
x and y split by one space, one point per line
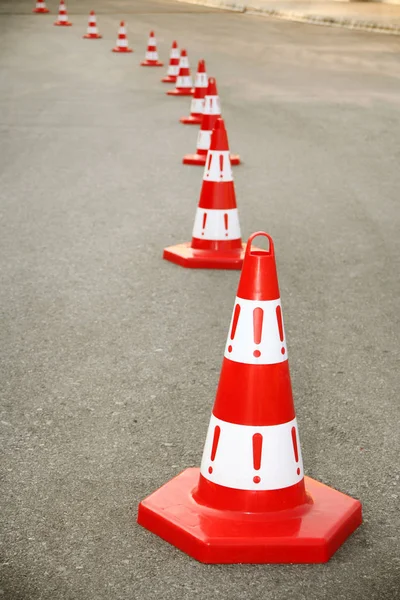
111 357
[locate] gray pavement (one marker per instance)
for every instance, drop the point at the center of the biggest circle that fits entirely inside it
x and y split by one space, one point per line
111 357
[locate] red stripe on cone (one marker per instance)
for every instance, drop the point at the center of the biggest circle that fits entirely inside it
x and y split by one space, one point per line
250 501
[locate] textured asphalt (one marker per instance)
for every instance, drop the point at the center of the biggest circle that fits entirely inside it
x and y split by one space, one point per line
111 357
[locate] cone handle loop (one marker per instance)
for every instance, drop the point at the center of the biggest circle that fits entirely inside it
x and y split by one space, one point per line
269 252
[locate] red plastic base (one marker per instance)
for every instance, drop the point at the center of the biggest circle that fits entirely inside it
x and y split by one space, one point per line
92 36
310 533
40 10
63 23
151 63
169 79
191 120
181 92
200 159
121 50
185 256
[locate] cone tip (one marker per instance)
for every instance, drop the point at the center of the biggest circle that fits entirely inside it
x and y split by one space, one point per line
212 87
151 33
183 53
259 252
174 44
201 68
92 12
122 24
219 124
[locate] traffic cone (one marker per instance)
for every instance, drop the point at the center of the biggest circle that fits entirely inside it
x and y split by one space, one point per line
184 82
151 58
173 67
216 241
122 40
92 31
200 89
211 112
62 20
250 501
41 7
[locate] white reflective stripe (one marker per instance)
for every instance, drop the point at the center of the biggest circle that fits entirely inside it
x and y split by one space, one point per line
196 105
173 70
212 224
264 348
233 464
203 139
151 56
122 31
152 41
174 53
63 18
123 43
92 19
184 62
201 80
212 105
184 82
218 166
92 30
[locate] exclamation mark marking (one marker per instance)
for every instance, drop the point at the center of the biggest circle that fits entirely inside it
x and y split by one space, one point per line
234 324
221 165
258 317
204 222
217 433
257 450
209 165
226 224
295 447
280 326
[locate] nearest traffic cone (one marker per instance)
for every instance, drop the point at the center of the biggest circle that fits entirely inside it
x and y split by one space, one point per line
250 501
92 31
122 40
216 241
173 67
200 89
211 112
151 58
40 7
184 82
62 20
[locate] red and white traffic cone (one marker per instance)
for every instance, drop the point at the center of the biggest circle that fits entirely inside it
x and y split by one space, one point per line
211 112
184 82
62 20
250 501
173 67
122 40
41 7
92 31
216 241
200 89
151 58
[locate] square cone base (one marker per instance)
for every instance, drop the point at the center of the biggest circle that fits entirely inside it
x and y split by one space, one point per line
185 256
191 120
180 92
92 36
310 533
63 23
121 50
168 79
151 63
40 11
200 159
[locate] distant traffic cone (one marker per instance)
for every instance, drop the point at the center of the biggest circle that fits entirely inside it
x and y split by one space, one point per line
40 7
122 40
211 112
250 501
200 89
62 20
92 31
216 241
151 58
173 67
184 82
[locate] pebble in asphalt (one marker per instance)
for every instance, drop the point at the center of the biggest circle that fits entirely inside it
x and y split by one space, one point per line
110 357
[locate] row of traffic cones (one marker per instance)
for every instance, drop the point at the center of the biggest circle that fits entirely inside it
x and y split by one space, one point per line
250 501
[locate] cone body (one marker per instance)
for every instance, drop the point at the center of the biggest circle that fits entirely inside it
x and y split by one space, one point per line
41 7
173 67
92 32
216 240
197 103
184 82
122 40
211 112
151 58
250 501
62 20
